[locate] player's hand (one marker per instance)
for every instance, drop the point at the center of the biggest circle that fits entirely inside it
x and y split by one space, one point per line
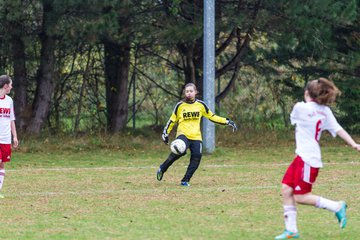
165 138
232 124
15 142
357 147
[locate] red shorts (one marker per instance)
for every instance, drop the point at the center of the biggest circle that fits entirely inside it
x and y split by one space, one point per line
300 176
5 152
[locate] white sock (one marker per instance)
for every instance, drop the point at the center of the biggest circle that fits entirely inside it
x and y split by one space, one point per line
2 176
290 218
330 205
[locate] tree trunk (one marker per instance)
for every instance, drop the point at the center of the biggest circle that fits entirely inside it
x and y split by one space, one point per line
22 111
117 65
191 64
85 77
45 86
45 83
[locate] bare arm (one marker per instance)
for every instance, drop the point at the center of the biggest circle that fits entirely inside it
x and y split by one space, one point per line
348 139
14 134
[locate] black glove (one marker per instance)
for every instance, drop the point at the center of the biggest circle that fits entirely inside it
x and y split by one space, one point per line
231 123
165 138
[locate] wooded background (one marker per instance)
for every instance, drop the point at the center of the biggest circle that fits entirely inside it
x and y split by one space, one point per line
98 65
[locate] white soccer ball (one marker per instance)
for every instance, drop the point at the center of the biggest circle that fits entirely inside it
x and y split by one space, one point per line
178 146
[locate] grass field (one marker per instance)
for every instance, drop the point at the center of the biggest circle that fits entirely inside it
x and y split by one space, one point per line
106 189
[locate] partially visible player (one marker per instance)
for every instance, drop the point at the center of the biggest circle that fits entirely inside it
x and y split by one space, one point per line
311 118
7 125
188 114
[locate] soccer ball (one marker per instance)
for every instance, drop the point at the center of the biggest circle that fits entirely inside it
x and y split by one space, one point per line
178 146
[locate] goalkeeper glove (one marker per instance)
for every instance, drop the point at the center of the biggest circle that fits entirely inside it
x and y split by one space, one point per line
232 124
165 138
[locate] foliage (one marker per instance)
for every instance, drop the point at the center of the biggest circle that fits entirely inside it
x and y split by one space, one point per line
283 44
350 105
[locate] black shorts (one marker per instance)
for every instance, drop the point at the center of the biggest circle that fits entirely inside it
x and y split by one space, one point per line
195 146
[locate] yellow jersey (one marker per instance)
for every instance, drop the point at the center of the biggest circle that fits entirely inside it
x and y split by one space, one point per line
188 116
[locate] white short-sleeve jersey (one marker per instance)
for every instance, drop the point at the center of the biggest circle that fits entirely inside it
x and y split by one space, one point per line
311 119
6 116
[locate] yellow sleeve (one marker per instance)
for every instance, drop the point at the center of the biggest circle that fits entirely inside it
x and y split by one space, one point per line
211 116
170 124
215 118
173 119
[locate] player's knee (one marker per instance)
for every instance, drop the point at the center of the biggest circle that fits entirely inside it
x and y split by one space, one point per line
196 157
300 198
286 191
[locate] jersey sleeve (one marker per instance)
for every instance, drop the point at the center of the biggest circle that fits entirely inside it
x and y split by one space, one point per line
332 124
173 119
170 124
211 116
294 116
12 113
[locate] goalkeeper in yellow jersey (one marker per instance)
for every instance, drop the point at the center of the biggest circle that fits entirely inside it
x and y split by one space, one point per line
188 114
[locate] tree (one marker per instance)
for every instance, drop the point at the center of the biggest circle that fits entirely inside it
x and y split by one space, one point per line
64 49
117 65
45 84
14 16
117 53
183 30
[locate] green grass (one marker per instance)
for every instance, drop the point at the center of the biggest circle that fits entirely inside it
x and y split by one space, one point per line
105 188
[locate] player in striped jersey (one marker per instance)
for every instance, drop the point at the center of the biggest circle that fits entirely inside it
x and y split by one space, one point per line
311 118
187 114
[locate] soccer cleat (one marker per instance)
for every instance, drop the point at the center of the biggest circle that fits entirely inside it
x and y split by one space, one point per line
341 214
159 174
287 235
185 184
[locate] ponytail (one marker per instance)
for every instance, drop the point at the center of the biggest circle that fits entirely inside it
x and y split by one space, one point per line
322 91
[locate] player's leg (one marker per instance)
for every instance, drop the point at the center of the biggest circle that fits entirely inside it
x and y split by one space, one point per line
5 154
290 214
287 195
170 160
337 207
319 202
166 164
289 204
196 154
303 195
2 176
